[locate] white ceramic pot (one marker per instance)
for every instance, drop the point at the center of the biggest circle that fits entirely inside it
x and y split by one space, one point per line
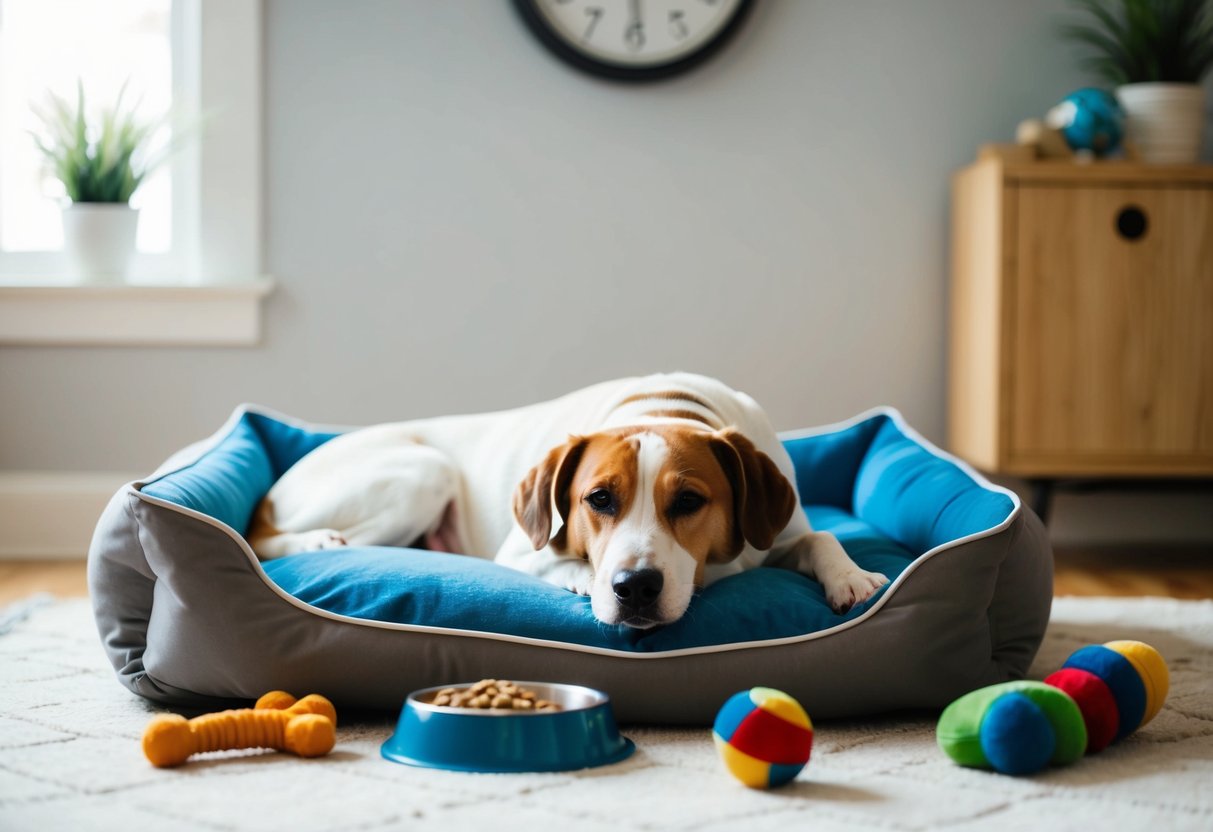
1166 121
99 238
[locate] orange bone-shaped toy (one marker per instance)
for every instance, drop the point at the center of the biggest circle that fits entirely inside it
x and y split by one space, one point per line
306 727
313 703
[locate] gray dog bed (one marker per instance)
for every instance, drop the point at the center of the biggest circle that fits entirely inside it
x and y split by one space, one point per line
189 617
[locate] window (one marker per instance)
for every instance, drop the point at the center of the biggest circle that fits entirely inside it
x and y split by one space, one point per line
200 215
46 45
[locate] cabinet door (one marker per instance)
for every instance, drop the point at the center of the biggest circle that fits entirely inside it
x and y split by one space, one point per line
1112 357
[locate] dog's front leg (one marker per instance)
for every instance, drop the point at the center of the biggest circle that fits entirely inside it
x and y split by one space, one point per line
845 583
820 556
571 573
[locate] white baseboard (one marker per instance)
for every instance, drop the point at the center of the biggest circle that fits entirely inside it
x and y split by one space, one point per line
1135 517
49 515
1127 516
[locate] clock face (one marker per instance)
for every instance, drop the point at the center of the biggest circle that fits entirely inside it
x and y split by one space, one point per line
633 39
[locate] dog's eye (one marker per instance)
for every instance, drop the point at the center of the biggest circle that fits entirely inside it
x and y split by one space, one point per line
687 502
600 500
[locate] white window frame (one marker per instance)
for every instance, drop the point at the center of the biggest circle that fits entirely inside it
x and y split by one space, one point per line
222 50
217 214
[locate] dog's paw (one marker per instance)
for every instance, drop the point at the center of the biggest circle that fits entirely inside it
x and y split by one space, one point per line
317 540
579 578
852 587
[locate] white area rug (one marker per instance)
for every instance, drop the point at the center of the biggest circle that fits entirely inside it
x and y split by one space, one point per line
70 759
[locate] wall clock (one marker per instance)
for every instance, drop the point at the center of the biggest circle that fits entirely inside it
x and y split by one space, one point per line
633 40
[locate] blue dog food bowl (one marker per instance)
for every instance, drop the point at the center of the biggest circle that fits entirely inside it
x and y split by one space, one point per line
581 735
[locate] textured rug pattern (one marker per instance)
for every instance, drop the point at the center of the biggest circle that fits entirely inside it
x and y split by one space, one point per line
70 759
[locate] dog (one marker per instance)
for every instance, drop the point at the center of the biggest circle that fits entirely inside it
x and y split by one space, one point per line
635 492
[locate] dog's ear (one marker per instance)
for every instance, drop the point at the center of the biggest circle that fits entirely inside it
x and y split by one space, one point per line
763 499
547 483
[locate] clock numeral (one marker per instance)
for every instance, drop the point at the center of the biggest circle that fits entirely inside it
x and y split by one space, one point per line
633 36
595 14
678 24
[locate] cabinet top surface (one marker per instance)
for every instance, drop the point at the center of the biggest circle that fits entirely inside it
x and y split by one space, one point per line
1097 172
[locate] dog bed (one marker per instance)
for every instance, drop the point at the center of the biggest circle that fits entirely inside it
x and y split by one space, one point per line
189 617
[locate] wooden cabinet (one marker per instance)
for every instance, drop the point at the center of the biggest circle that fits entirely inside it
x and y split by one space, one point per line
1082 319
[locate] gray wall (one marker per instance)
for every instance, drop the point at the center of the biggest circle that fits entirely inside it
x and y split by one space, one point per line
458 222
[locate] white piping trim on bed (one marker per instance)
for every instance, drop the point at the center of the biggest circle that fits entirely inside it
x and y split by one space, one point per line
895 415
198 449
190 454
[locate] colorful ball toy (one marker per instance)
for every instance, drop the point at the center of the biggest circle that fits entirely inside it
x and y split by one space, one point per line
763 736
1102 694
1089 119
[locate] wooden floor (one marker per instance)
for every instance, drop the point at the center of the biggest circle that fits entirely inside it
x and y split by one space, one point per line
1172 572
22 578
1167 571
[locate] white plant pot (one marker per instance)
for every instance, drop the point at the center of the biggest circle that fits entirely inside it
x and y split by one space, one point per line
99 238
1165 121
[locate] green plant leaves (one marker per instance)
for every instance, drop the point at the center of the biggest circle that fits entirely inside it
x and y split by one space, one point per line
1140 41
107 166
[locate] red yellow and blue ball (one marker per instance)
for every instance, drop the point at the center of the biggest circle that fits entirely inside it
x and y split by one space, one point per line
763 736
1102 694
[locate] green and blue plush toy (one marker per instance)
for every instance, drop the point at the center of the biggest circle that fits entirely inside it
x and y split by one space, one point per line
1102 694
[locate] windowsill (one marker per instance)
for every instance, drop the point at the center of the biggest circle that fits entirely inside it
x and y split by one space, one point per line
46 312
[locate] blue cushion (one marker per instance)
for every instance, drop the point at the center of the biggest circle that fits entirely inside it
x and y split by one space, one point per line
885 495
918 498
225 482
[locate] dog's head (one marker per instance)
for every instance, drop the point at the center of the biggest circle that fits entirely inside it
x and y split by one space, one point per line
649 508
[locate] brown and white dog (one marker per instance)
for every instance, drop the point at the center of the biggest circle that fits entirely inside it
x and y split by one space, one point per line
635 492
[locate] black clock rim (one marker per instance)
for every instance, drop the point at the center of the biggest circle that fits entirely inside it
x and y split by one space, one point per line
539 26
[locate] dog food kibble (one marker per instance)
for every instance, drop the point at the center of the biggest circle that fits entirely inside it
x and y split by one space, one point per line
493 693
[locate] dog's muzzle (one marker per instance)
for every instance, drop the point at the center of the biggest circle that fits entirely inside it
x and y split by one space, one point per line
637 592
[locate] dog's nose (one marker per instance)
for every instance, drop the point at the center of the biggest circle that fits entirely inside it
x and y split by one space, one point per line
637 588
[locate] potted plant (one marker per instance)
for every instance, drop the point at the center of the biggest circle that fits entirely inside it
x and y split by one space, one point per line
101 164
1154 52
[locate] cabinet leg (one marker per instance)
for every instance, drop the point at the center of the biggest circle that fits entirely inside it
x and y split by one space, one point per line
1042 498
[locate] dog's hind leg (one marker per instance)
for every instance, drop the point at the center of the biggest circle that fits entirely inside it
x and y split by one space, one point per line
393 496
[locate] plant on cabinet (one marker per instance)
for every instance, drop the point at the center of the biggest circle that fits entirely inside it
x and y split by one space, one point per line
1155 53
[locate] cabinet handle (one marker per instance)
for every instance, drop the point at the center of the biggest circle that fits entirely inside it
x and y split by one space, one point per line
1131 222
